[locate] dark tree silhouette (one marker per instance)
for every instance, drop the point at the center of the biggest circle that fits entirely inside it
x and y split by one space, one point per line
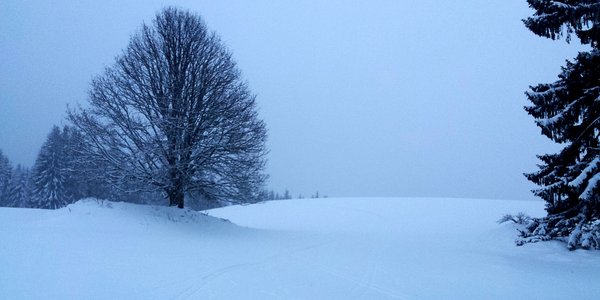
568 112
5 180
50 173
173 114
21 188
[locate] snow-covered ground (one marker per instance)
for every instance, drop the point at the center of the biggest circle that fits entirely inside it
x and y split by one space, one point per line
354 248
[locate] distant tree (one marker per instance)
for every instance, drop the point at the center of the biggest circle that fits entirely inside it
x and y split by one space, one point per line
50 173
264 195
173 114
76 184
85 176
21 188
5 179
568 112
269 195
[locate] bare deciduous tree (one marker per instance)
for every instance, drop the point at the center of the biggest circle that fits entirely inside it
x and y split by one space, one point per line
173 113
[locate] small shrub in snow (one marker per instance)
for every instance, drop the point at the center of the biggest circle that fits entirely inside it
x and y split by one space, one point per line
103 203
520 218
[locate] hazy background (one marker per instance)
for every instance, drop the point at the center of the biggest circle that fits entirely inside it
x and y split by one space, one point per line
370 98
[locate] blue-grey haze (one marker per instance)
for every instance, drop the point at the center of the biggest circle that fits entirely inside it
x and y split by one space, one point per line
362 98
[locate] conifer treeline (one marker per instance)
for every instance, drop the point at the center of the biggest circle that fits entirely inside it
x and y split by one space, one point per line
62 174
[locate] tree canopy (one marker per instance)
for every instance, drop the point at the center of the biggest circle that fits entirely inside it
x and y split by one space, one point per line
174 114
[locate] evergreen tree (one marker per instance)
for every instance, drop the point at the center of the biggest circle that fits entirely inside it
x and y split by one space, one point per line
5 179
50 173
84 176
75 183
568 112
21 188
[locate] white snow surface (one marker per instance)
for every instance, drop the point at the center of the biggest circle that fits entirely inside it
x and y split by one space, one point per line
351 248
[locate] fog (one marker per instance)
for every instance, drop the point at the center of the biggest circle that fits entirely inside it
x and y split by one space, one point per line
372 98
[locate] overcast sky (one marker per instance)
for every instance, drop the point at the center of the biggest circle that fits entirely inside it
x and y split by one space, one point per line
370 98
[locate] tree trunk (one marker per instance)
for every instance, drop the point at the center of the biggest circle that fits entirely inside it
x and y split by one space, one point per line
176 197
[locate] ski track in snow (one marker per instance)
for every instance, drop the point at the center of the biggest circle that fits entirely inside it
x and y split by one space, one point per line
195 285
299 249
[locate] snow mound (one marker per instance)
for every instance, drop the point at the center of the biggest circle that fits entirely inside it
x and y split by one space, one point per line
135 212
352 248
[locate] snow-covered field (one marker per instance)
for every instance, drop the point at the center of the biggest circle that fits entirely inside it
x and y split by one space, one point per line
354 248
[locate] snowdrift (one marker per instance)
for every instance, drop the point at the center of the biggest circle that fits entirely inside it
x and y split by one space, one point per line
361 248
